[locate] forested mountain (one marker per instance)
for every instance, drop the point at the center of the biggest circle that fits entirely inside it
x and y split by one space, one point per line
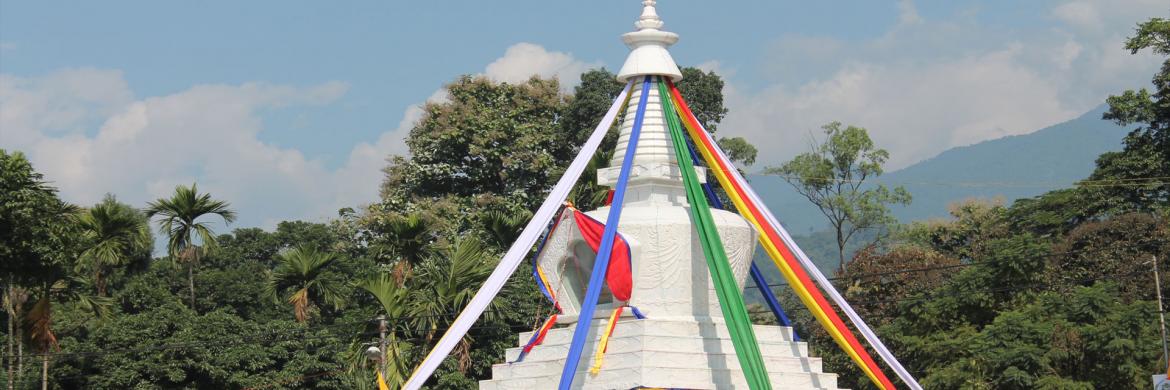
1008 168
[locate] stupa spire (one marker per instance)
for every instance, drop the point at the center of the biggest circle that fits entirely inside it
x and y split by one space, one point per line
656 174
648 44
649 18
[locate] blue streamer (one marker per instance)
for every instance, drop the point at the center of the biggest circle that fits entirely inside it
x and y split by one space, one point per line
762 285
637 313
757 276
605 250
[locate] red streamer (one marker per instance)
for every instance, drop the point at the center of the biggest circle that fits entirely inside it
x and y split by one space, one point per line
618 276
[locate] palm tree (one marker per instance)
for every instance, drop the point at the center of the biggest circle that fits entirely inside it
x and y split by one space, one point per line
393 297
503 228
407 237
15 298
179 220
301 270
113 234
446 283
38 322
588 195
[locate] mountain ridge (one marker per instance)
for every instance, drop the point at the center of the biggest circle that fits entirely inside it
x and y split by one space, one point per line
1008 168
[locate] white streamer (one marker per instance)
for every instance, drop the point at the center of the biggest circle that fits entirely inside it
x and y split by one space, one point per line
812 269
517 252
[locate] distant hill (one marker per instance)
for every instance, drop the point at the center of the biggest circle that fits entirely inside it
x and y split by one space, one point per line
1011 167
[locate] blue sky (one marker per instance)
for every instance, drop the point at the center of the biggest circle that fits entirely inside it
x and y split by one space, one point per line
287 109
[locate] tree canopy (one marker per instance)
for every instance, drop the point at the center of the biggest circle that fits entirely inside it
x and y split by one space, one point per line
833 174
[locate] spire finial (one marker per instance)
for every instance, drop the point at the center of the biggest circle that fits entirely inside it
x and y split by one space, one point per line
648 54
649 18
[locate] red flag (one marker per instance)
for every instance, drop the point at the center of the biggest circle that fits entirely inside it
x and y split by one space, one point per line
618 276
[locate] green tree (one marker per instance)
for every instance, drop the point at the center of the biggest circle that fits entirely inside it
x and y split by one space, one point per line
1083 339
1121 245
588 195
57 288
832 176
406 238
445 285
589 102
172 347
1143 166
489 138
37 249
189 238
503 229
303 271
113 235
739 150
394 300
703 92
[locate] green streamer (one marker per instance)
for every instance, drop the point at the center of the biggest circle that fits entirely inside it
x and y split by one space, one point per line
743 337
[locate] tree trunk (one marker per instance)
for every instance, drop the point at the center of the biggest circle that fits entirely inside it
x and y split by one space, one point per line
100 282
840 251
10 359
19 354
191 282
45 371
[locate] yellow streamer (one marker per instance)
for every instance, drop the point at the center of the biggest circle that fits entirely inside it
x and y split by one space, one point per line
604 343
382 382
544 280
769 247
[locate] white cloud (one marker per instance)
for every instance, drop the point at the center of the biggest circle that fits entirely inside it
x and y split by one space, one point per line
908 13
88 133
927 86
1081 14
144 147
718 67
523 60
1107 16
64 102
913 112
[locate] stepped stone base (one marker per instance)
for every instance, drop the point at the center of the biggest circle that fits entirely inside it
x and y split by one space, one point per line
682 353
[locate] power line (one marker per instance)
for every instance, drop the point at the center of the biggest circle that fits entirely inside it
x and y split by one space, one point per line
250 339
947 266
274 334
317 375
1033 286
200 344
1130 182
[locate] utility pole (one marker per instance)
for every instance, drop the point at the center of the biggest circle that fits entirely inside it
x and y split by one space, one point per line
382 343
1161 311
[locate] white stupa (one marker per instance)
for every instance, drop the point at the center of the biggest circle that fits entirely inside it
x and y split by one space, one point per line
683 342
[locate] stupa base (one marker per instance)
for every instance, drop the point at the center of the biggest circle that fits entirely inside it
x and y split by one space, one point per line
685 353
